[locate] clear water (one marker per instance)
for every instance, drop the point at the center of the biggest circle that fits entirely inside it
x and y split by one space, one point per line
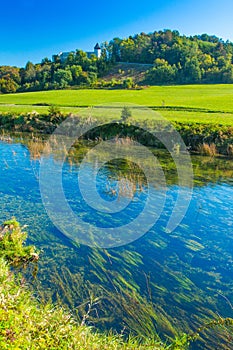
187 275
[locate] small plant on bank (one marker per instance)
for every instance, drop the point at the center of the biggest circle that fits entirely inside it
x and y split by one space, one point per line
12 247
125 114
54 113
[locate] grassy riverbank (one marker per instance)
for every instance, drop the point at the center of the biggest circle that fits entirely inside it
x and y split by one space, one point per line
207 139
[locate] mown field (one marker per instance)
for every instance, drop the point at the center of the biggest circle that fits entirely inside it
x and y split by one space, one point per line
190 103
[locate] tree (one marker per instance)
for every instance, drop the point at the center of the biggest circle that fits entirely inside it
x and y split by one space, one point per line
175 59
161 73
114 49
62 77
54 113
8 86
92 78
191 72
45 60
29 73
227 74
125 114
7 72
76 71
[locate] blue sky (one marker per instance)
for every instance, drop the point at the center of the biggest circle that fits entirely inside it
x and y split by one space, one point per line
33 29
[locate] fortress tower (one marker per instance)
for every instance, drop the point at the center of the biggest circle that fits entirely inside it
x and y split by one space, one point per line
97 50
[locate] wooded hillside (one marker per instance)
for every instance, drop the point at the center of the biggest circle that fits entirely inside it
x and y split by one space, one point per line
174 59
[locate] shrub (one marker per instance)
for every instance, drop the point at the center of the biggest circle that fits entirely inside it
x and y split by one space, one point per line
12 249
125 114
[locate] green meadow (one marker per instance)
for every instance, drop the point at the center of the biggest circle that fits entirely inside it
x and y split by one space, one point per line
187 103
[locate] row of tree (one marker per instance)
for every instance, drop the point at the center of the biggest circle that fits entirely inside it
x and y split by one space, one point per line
76 70
175 59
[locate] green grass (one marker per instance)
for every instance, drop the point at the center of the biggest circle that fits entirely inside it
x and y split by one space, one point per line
27 324
191 103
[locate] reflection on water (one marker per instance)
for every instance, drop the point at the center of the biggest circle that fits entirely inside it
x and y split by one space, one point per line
170 282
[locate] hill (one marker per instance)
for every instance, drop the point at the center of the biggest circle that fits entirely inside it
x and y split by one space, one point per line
173 59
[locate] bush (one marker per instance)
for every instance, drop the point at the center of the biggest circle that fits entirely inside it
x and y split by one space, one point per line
12 248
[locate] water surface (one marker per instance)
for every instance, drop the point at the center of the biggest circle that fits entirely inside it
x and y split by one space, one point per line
170 282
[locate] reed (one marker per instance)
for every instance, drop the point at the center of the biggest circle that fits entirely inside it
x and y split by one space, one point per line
230 150
207 149
37 147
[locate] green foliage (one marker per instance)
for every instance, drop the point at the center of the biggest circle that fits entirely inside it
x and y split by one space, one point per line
77 72
9 79
128 83
26 324
161 73
12 247
10 72
54 113
29 74
8 85
200 120
125 114
77 69
191 72
181 59
62 78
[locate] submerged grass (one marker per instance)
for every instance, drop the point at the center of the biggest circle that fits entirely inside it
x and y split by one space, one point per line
27 324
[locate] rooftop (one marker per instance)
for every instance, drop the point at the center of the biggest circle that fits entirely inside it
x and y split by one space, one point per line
97 47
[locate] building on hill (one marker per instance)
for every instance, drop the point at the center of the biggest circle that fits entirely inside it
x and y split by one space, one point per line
96 52
62 56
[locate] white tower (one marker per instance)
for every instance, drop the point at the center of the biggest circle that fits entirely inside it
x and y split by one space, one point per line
97 50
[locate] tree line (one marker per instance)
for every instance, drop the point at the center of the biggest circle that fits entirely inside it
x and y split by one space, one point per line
175 59
77 70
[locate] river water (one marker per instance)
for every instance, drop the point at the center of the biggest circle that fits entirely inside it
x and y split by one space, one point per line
160 281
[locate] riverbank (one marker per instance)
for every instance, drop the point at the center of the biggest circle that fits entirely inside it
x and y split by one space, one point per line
203 138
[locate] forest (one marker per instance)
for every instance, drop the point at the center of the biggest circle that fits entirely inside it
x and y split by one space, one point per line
172 59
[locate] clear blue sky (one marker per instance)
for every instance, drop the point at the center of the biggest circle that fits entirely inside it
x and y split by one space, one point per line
33 29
